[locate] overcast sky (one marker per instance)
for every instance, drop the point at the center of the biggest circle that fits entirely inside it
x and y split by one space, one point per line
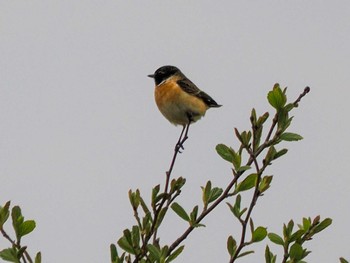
79 125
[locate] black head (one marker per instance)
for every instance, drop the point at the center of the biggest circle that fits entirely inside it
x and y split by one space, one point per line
164 73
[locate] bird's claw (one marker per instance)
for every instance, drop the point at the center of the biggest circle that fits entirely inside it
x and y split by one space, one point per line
179 147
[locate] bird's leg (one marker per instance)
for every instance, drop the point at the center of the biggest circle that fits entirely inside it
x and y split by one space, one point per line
178 145
183 138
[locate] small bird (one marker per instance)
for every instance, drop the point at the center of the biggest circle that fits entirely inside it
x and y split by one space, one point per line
179 100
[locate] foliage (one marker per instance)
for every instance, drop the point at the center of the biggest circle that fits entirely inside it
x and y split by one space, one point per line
17 252
292 242
256 152
249 161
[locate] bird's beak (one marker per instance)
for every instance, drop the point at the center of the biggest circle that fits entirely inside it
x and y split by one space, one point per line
151 76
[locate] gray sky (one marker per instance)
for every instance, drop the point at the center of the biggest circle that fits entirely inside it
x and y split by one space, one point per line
79 125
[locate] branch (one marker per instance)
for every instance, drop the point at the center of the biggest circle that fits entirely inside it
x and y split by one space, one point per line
18 246
166 200
252 159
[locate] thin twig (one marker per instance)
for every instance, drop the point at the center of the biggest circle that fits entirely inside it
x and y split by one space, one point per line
166 198
5 235
306 91
224 195
25 255
255 197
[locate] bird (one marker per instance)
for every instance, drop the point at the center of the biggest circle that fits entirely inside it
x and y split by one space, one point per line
179 100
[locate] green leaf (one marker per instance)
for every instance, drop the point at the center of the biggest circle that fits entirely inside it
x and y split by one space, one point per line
144 206
237 159
206 193
343 260
253 117
174 255
135 236
243 211
245 253
154 251
159 197
262 119
276 239
231 245
265 183
280 153
297 235
237 206
324 224
9 254
276 97
177 184
225 152
296 251
284 121
269 257
238 202
161 216
245 137
287 230
163 253
198 225
146 223
288 136
306 224
134 199
180 211
4 213
26 227
125 245
38 258
228 154
114 253
155 192
127 235
259 234
257 130
289 107
193 214
125 242
21 251
236 209
17 215
17 220
248 183
270 154
214 194
243 168
251 223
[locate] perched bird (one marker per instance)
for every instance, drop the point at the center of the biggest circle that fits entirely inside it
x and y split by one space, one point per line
179 100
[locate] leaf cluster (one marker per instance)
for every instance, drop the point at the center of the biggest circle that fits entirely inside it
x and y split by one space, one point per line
259 150
293 241
17 252
140 243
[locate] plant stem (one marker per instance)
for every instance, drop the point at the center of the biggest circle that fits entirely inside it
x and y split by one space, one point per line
25 255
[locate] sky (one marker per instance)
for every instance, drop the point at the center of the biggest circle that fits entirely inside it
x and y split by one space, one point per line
79 125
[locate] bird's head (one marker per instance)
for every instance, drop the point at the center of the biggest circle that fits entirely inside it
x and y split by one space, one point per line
163 73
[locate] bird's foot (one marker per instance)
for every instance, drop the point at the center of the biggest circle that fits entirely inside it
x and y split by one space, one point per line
179 147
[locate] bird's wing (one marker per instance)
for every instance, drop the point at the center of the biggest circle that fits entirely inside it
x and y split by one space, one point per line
189 87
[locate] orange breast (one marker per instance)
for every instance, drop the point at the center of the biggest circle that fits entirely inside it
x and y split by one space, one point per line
175 104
